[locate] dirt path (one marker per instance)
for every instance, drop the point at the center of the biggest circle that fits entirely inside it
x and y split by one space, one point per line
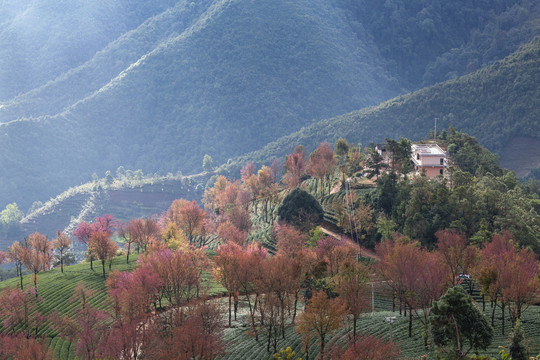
363 250
336 187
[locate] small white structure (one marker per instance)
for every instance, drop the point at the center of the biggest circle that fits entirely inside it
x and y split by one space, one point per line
429 158
382 149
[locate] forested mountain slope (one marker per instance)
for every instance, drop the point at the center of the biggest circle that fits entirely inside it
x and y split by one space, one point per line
495 104
87 87
42 39
232 76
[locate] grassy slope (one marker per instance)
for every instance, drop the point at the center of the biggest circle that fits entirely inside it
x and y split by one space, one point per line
55 288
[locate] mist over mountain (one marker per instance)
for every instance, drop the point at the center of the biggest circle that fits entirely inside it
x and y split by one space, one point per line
43 39
89 86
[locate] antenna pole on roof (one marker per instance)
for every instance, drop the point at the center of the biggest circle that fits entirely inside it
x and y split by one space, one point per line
435 133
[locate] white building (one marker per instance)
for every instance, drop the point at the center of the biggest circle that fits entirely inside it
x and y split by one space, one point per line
429 158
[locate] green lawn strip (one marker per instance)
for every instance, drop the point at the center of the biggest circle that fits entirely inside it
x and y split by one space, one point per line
56 288
56 344
70 351
63 351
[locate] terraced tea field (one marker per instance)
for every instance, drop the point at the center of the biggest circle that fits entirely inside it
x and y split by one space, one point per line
241 346
56 288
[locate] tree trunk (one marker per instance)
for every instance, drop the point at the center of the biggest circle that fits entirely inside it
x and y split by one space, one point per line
103 265
35 283
276 333
493 313
92 262
235 304
61 262
230 308
129 247
502 310
21 276
458 338
269 337
282 303
322 347
261 310
410 322
295 304
252 312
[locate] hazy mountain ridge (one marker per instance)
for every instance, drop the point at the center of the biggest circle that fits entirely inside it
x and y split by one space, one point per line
218 77
494 104
51 98
42 39
266 86
124 199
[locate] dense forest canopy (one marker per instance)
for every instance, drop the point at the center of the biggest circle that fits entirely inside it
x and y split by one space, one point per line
494 105
135 81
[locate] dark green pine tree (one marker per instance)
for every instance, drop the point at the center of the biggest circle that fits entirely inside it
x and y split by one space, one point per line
458 326
301 209
518 350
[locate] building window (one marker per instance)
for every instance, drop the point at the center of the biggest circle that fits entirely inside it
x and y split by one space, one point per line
442 161
441 171
417 156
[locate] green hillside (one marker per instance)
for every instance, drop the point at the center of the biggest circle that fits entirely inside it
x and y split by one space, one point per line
224 81
95 72
56 288
495 104
159 85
